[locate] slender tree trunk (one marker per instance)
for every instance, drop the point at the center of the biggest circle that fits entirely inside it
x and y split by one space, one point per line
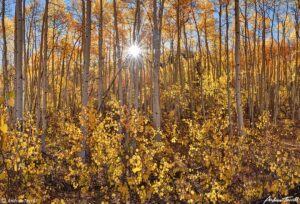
118 54
19 61
40 76
157 26
295 83
178 54
27 58
253 67
199 66
62 74
131 84
273 59
276 104
100 57
24 68
53 68
228 72
138 65
207 49
220 40
177 60
85 73
240 119
4 57
285 62
263 66
297 67
45 77
190 80
248 74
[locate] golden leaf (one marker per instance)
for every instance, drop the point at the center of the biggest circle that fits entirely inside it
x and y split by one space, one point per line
11 102
3 126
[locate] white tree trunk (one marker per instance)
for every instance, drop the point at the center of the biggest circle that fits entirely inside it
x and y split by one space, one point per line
19 61
85 73
157 25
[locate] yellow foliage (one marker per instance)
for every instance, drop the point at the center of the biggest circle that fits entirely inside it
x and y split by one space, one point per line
194 163
11 102
3 126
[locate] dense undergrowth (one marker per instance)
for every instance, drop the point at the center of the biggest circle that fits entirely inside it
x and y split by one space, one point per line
195 162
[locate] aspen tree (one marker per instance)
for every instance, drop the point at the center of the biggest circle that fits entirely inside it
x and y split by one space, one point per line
45 76
19 61
85 72
240 120
158 7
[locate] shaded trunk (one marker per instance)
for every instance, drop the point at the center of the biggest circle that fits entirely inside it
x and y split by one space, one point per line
85 73
100 57
220 40
199 67
4 57
228 73
295 83
240 120
277 86
263 66
118 54
45 77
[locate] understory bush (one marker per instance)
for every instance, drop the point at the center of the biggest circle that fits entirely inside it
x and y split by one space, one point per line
193 162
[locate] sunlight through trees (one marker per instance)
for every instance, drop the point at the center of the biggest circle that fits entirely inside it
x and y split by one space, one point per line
153 101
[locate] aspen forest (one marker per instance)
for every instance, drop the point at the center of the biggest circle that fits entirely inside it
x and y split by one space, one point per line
149 101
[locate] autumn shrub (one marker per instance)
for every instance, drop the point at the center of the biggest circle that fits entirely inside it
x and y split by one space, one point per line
193 162
22 166
131 166
274 160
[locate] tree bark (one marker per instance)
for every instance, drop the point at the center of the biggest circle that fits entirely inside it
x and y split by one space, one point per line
276 103
138 65
100 57
4 57
240 120
85 72
118 54
263 61
228 72
295 83
199 67
19 61
157 26
220 40
45 77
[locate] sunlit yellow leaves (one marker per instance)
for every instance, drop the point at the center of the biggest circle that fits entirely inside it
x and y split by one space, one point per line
3 175
11 102
92 118
3 126
58 201
198 162
135 161
21 153
123 189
